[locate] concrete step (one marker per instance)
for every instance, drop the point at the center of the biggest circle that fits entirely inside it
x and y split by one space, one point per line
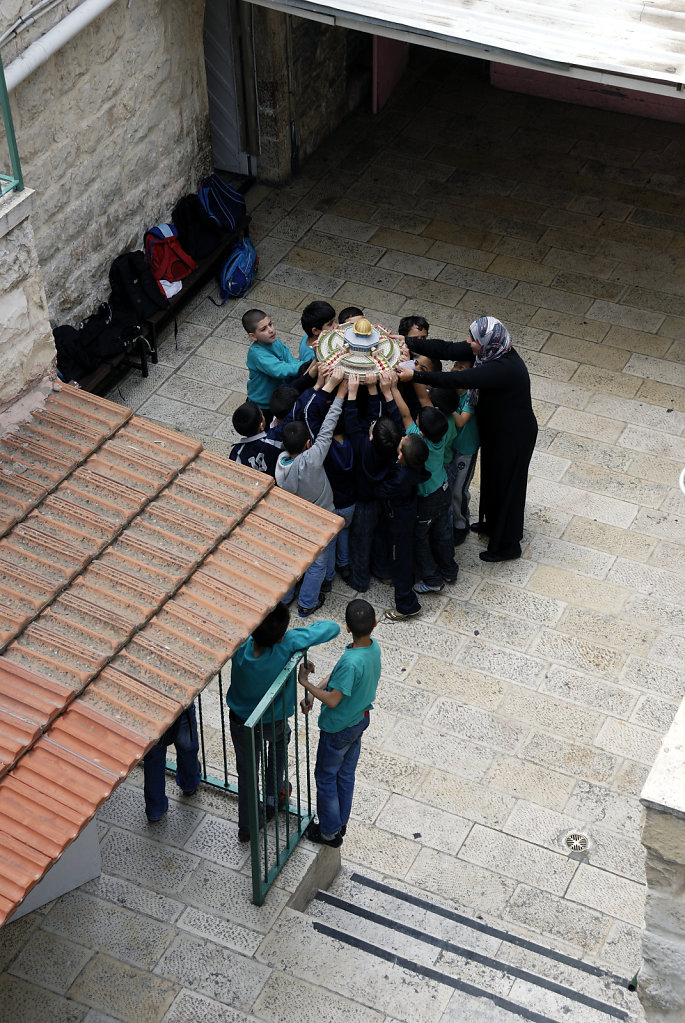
502 976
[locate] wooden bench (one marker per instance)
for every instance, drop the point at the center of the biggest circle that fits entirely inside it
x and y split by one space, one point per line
110 373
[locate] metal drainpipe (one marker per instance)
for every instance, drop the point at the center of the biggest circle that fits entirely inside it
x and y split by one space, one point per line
249 73
42 49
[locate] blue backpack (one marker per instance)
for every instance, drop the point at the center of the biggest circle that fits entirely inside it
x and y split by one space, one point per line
223 204
238 272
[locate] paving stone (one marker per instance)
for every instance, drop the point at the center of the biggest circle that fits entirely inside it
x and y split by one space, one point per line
611 510
374 276
417 635
217 374
403 699
102 926
631 545
382 850
464 1006
586 450
472 800
134 996
50 961
594 626
270 293
540 825
477 620
146 862
586 425
596 353
217 972
588 691
654 713
190 1006
438 749
460 255
651 416
648 580
522 860
548 914
629 740
15 934
223 932
466 884
511 667
26 1003
391 771
521 778
132 896
223 892
620 485
420 291
546 1002
655 613
126 808
607 381
617 853
314 1004
658 470
305 280
512 601
484 977
342 248
608 893
579 653
638 341
216 839
294 948
536 709
576 760
593 802
659 524
476 724
652 442
434 827
666 395
590 593
622 949
179 415
570 325
343 227
547 521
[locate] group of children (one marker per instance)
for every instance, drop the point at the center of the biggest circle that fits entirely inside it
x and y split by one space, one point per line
393 460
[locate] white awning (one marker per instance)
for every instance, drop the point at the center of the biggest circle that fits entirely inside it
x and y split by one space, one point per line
637 44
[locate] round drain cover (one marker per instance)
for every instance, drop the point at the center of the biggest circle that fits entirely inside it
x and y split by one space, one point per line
576 842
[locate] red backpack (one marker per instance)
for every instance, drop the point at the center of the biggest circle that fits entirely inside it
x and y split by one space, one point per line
168 261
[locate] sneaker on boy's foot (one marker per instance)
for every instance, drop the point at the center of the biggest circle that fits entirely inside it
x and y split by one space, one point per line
422 587
343 571
313 833
304 612
393 615
343 831
326 586
283 801
460 535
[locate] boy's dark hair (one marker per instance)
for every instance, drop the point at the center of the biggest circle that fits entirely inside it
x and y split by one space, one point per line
349 312
435 363
385 436
315 315
251 318
282 400
407 322
247 419
360 618
273 628
295 436
432 423
469 358
444 398
415 451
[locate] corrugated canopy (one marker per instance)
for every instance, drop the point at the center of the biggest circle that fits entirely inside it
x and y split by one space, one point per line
133 563
644 41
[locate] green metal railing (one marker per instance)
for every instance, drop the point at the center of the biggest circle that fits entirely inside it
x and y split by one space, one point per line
15 180
272 844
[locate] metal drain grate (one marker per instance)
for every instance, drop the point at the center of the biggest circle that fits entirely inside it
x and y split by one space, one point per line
576 841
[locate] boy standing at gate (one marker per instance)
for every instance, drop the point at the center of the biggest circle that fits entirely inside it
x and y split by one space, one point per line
347 696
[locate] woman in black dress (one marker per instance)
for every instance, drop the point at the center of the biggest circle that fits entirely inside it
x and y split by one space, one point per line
500 384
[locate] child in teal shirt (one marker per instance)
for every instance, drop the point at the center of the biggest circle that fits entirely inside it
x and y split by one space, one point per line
269 361
254 668
347 696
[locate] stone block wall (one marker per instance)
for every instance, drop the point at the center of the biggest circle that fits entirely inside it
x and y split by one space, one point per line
27 350
661 983
111 131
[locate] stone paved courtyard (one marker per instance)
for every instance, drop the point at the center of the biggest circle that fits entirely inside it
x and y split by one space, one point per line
529 699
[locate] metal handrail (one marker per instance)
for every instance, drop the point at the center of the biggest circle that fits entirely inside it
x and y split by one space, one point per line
267 857
15 180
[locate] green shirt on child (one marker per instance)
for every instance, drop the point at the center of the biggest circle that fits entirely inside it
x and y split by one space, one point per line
356 676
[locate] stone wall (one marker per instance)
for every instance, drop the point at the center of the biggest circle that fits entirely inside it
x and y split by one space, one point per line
661 983
27 350
111 131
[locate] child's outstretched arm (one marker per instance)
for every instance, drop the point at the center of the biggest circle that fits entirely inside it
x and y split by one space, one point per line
402 406
461 418
331 697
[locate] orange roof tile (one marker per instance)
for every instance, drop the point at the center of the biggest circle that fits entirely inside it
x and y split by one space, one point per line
133 564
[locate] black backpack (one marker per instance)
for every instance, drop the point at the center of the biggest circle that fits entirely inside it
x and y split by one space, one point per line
98 339
199 235
134 289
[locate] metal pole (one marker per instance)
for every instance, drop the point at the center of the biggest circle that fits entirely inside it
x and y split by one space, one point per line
17 179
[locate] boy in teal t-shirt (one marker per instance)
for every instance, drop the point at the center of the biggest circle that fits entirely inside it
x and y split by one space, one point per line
269 361
347 696
254 668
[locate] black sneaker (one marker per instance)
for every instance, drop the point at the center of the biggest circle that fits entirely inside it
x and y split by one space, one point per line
326 586
313 833
343 831
460 535
304 612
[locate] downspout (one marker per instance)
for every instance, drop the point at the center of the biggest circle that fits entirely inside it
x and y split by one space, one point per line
42 49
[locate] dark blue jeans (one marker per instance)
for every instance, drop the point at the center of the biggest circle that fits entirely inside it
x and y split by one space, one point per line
188 773
237 726
336 763
363 558
433 539
399 534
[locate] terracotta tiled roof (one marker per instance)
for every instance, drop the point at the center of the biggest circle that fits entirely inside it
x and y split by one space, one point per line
133 563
